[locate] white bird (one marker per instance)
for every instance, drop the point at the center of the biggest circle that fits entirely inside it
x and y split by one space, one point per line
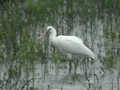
69 44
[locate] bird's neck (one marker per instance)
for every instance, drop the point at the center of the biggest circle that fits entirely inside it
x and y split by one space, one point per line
53 36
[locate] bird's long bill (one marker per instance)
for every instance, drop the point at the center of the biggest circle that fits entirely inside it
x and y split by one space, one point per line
43 36
46 33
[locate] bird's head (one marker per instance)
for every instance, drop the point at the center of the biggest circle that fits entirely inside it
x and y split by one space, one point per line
50 29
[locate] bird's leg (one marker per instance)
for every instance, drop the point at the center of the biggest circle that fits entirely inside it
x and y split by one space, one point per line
70 62
70 66
75 65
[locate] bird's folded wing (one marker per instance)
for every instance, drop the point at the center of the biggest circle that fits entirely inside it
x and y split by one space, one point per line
71 44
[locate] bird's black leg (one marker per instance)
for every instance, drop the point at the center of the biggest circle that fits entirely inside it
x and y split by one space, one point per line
70 62
70 66
75 65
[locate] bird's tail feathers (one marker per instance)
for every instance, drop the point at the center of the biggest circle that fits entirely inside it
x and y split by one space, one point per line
92 55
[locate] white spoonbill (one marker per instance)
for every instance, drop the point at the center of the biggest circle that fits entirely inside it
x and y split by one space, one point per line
68 44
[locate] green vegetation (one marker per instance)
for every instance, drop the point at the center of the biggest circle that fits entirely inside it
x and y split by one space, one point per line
20 19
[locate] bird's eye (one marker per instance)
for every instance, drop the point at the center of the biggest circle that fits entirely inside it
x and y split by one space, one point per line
49 29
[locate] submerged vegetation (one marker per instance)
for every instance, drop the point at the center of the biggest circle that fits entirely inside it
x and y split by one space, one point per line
96 21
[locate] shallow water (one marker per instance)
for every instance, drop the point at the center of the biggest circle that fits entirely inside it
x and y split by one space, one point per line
62 80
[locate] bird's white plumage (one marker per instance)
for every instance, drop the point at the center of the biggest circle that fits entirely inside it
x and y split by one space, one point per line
69 44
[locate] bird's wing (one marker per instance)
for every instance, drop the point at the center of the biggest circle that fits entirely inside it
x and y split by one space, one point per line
72 44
